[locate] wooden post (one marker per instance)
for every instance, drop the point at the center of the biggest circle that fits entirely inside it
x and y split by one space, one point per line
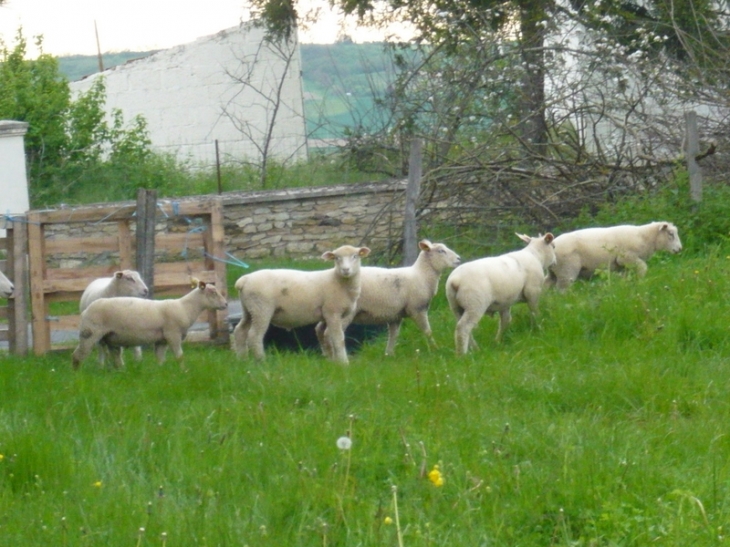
17 270
692 148
410 226
37 269
146 212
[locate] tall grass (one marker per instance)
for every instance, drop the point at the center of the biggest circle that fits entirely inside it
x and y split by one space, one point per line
605 424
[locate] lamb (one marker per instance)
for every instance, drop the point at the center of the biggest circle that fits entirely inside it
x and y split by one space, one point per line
295 298
390 294
582 252
124 321
494 284
6 286
122 283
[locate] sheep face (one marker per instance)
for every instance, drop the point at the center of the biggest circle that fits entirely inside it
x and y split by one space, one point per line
347 259
213 300
129 283
668 238
6 286
440 256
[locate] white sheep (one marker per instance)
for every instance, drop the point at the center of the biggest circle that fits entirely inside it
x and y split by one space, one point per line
295 298
6 286
582 252
125 321
494 284
390 294
122 283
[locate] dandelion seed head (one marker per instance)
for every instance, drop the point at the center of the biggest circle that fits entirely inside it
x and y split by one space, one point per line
344 443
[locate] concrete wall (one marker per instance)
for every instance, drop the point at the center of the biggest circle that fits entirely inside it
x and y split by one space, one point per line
221 87
13 177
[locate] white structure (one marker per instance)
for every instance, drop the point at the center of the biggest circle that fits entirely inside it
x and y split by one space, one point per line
226 87
13 177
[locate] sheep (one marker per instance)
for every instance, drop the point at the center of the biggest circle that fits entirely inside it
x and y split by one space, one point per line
388 295
122 283
582 252
125 321
494 284
6 286
294 298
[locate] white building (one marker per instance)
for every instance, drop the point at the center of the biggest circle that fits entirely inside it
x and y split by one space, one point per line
13 179
231 87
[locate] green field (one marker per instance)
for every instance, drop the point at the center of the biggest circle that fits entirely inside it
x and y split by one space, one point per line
606 424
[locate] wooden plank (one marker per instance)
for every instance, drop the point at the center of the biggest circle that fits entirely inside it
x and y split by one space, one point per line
88 244
108 213
37 268
145 249
217 251
18 304
89 274
179 241
124 234
4 312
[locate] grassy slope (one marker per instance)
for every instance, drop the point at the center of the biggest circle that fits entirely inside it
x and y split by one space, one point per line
607 425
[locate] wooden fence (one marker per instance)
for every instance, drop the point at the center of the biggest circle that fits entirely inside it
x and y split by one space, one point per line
183 229
14 315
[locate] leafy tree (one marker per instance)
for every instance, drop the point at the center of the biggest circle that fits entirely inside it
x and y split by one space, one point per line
68 141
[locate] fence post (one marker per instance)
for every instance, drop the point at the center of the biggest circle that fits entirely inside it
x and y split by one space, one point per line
17 266
146 210
692 148
413 190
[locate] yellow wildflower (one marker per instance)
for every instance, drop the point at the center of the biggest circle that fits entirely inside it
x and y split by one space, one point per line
97 484
435 476
388 520
2 457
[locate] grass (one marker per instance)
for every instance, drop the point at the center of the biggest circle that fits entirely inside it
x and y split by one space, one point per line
604 425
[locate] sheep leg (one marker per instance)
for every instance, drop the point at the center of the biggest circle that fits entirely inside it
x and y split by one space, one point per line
505 317
87 340
256 332
393 331
421 320
635 261
160 350
336 336
138 353
240 336
323 340
464 327
116 355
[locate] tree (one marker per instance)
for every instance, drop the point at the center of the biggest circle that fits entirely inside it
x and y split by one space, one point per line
67 140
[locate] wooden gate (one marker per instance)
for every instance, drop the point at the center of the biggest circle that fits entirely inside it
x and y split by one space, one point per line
69 248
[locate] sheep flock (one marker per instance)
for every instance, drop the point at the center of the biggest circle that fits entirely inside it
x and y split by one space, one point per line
116 314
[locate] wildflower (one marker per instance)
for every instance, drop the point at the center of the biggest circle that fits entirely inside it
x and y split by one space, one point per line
344 443
2 457
97 484
387 520
435 476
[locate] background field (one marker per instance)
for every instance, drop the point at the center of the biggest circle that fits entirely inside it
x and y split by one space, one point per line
607 424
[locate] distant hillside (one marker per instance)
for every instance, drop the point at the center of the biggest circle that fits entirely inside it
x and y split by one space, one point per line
337 81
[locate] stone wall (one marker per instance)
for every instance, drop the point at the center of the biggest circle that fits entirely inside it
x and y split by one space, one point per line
306 222
296 223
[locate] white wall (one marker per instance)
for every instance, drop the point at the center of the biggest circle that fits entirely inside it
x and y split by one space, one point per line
13 177
184 94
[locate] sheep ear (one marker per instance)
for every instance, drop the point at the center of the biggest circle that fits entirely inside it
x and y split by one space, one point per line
524 237
665 226
425 245
329 255
119 275
201 285
363 252
549 237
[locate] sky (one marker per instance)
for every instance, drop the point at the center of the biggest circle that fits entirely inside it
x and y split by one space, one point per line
68 26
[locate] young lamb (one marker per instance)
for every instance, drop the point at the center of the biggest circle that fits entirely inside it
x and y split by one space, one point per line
494 284
125 321
6 286
390 294
295 298
582 252
122 283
